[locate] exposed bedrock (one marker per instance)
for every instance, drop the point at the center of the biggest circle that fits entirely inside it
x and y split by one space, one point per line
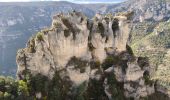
90 55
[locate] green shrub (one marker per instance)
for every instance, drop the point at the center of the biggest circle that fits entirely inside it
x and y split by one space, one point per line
8 88
115 26
67 23
95 90
101 29
57 25
115 88
95 64
59 88
130 15
39 83
161 40
66 33
129 50
31 47
143 62
2 82
22 88
91 47
156 96
80 90
70 27
109 61
1 95
40 36
7 96
78 64
146 77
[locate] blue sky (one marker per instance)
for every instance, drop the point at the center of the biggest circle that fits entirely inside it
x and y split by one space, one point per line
75 1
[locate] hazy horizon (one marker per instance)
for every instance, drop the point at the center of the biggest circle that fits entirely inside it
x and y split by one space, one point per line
73 1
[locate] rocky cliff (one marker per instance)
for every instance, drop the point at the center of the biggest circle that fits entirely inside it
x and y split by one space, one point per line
73 35
81 59
156 10
145 10
18 21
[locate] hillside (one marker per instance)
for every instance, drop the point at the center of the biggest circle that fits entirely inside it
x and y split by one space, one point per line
154 44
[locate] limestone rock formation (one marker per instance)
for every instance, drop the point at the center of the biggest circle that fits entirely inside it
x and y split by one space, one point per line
87 59
73 35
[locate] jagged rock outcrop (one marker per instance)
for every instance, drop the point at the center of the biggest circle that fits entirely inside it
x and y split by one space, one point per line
70 36
87 59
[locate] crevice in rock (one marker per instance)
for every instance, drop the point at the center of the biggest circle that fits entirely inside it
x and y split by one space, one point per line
115 26
101 29
69 26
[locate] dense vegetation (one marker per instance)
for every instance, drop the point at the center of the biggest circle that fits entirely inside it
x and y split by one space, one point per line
57 88
152 40
161 40
11 89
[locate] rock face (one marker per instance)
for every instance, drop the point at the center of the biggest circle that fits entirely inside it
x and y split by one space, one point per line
86 59
145 10
73 35
151 10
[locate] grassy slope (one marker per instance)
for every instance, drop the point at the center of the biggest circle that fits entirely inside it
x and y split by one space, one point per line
156 47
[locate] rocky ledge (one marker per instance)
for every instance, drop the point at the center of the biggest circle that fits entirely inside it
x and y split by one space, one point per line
84 59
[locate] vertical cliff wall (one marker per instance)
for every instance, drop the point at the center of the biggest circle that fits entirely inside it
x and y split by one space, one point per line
87 59
73 35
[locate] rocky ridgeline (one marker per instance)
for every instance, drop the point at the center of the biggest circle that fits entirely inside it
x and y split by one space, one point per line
82 59
145 10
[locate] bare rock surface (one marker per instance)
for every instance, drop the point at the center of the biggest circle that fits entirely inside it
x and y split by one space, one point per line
91 54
